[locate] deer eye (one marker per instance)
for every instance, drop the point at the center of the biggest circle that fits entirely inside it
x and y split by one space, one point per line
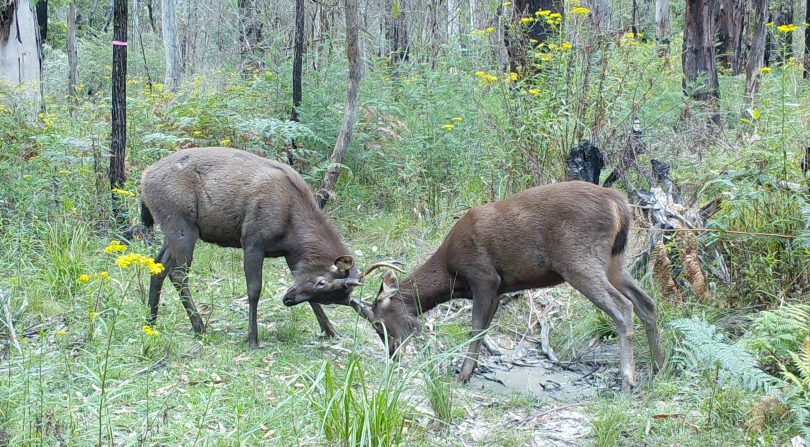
321 282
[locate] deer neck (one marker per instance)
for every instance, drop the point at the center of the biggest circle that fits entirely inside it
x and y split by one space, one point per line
427 287
311 241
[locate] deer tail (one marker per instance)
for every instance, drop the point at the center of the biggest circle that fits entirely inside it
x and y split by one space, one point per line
620 242
147 219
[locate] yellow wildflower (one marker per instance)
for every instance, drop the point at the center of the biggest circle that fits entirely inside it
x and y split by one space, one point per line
480 74
158 87
534 91
103 275
566 45
83 279
64 172
115 247
155 268
122 192
139 260
527 20
448 127
765 70
197 133
490 30
507 4
581 10
513 76
149 331
225 142
108 68
93 315
543 12
787 28
61 333
457 119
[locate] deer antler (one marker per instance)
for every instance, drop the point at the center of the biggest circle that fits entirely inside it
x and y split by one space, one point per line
362 308
390 264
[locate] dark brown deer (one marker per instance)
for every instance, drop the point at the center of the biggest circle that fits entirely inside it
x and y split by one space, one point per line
572 232
233 198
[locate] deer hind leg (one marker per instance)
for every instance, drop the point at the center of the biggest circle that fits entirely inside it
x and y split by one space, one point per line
181 249
485 303
156 283
323 320
253 262
602 293
644 307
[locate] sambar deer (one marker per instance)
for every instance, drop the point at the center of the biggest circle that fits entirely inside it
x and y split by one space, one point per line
234 198
573 232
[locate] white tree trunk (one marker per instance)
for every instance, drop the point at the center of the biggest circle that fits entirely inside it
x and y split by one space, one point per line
20 58
170 46
453 15
71 52
663 31
473 8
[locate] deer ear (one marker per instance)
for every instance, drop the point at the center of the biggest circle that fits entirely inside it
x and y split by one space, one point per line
390 283
344 264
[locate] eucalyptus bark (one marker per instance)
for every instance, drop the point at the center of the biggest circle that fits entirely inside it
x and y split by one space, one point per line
453 20
250 36
73 59
298 58
118 140
171 49
397 33
352 97
756 53
699 61
807 40
20 48
663 28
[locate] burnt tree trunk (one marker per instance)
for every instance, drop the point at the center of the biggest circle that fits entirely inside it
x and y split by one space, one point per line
756 53
118 141
396 32
250 36
730 25
72 55
298 57
352 97
699 62
517 36
42 20
807 40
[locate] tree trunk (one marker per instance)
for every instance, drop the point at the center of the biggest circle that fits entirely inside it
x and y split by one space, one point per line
396 32
170 46
516 37
663 29
756 54
807 39
72 55
699 64
250 36
741 43
298 58
601 12
352 96
780 50
453 20
118 141
473 9
20 54
42 20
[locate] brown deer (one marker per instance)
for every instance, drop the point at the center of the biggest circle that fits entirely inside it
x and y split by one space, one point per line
572 232
233 198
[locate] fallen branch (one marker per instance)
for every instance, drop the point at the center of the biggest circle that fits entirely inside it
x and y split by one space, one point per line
718 230
12 334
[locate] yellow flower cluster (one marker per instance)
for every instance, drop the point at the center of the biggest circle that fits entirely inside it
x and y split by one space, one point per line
448 127
581 10
486 78
483 32
787 28
47 119
456 119
631 38
85 278
115 247
125 261
765 70
148 330
123 192
534 91
225 142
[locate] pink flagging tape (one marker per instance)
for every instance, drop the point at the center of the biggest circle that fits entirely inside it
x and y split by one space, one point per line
119 43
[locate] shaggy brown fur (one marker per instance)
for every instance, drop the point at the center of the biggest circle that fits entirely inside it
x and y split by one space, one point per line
233 198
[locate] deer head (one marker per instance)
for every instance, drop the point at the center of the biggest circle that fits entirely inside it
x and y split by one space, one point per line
333 285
